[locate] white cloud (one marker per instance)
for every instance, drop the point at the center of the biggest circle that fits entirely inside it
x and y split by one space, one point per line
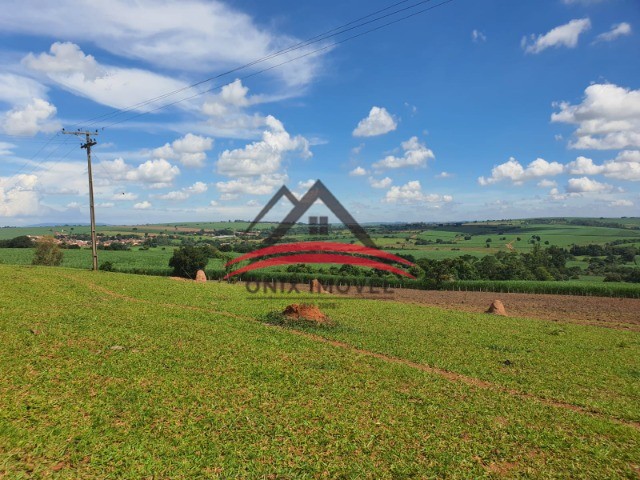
608 118
563 36
513 171
178 195
583 166
143 205
6 148
18 196
587 185
226 112
626 166
477 36
262 185
265 156
105 205
547 183
188 150
617 30
358 172
378 122
306 185
36 116
19 90
411 193
124 196
381 183
195 36
416 154
621 203
444 175
69 67
154 173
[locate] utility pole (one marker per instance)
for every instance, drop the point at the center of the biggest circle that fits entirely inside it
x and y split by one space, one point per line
90 142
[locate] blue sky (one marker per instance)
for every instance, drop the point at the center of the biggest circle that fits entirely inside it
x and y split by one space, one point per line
473 110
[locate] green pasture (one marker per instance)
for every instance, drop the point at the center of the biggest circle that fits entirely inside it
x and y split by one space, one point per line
104 375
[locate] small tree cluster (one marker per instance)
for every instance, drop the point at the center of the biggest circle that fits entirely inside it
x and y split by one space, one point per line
187 260
48 252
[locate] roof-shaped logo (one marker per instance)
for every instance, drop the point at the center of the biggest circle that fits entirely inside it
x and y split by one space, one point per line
365 255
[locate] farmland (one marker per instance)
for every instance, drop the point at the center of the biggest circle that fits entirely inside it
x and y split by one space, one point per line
584 274
182 380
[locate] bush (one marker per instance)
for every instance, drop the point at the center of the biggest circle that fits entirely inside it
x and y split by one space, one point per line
18 242
48 252
107 266
187 260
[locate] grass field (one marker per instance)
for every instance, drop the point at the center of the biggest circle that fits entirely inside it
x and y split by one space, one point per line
109 375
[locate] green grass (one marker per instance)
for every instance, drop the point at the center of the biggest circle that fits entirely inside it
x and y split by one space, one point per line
130 377
154 260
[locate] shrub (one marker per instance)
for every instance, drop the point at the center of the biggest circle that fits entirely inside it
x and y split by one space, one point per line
107 266
187 260
48 252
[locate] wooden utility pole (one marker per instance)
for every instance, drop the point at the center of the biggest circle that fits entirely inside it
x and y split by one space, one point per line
90 142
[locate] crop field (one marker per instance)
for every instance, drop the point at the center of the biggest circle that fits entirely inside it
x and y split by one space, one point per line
111 375
154 261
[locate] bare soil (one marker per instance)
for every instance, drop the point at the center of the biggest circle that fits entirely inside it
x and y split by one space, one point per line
620 313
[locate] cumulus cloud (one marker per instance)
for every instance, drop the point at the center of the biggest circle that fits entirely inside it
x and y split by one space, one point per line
617 30
380 183
416 154
608 118
18 196
626 166
563 36
188 150
587 185
36 116
69 67
143 205
185 193
411 193
265 156
378 122
358 172
195 36
514 172
262 185
157 173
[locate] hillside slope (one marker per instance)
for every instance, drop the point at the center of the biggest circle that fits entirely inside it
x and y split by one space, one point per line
126 376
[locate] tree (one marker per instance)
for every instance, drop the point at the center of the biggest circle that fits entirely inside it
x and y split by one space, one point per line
187 260
47 252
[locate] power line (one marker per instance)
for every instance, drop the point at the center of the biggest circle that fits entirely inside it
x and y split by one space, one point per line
326 47
347 27
317 38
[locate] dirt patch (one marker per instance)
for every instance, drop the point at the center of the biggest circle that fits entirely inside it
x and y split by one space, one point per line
619 313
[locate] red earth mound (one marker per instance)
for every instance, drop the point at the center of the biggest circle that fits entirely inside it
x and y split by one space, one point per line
497 308
316 287
305 312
